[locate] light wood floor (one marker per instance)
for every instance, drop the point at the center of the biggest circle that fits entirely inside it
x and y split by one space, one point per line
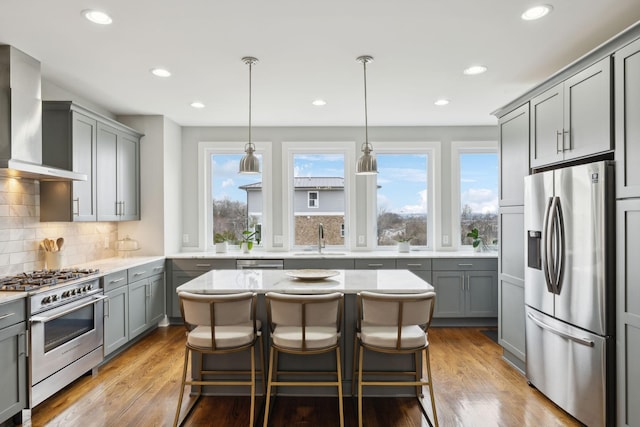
473 387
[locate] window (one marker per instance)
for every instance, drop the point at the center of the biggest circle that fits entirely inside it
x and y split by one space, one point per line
236 198
477 184
317 178
312 199
233 202
403 198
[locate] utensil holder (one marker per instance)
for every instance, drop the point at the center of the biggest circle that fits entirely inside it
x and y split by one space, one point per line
53 260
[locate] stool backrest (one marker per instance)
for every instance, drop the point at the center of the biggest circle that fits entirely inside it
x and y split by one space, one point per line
304 310
396 309
217 310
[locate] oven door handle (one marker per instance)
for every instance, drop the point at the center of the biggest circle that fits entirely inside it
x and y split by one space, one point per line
42 319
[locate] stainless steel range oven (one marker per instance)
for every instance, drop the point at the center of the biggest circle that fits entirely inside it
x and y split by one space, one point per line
66 329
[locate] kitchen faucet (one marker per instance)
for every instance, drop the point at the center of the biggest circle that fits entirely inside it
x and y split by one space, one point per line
320 237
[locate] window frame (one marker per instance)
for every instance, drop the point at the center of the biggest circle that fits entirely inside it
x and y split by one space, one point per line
433 151
316 204
291 148
205 203
458 148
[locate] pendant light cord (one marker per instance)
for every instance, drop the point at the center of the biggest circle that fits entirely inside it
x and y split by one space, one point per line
250 66
366 123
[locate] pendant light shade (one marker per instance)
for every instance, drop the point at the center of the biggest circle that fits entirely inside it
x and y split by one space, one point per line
367 164
249 164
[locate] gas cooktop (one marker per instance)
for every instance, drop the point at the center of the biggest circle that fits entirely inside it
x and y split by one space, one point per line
34 280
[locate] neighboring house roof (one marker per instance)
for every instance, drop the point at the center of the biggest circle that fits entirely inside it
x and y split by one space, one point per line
310 183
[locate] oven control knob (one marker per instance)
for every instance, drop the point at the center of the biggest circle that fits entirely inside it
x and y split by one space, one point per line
65 294
54 297
46 300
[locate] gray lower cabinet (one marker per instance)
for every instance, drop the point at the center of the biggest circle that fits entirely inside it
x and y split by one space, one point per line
183 270
146 304
116 320
320 263
627 120
13 359
465 287
573 119
375 264
420 267
628 311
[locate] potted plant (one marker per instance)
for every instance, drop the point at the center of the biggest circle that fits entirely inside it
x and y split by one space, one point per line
248 237
404 243
476 239
221 243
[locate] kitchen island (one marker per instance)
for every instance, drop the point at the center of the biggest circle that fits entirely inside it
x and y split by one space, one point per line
349 282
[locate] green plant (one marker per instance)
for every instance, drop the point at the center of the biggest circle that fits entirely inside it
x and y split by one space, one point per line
402 237
249 236
225 236
475 236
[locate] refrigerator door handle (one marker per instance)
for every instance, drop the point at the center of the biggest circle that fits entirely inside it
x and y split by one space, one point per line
560 242
546 246
555 331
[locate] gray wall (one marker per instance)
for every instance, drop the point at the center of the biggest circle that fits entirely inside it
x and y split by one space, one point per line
328 201
191 136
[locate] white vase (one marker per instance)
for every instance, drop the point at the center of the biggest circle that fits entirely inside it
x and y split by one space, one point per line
222 247
404 247
245 248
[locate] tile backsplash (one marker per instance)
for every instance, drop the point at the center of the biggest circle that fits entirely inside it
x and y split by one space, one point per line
21 232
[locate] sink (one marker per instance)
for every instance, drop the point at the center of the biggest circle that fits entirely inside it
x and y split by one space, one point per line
317 254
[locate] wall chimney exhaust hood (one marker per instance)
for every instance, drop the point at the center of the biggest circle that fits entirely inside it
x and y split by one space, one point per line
21 120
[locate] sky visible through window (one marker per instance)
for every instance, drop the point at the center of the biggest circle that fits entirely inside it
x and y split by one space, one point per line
479 182
225 179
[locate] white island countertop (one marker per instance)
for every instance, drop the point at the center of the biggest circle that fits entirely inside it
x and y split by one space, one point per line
346 281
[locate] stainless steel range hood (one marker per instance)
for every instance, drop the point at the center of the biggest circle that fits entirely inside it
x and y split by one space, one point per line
21 120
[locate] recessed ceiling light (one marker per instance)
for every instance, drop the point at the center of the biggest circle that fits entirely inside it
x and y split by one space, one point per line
97 17
319 102
475 69
441 102
160 72
197 104
536 12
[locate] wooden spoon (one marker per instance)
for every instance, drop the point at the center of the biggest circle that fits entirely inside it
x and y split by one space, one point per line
60 242
47 245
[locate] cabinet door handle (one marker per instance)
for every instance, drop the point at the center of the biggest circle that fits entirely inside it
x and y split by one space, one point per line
108 311
122 209
568 133
4 316
558 149
76 211
22 345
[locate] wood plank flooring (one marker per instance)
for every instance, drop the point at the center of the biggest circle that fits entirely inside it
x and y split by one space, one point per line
473 387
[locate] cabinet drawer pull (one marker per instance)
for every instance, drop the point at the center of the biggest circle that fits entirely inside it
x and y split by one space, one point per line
465 265
139 274
414 265
4 316
157 268
116 280
375 265
203 265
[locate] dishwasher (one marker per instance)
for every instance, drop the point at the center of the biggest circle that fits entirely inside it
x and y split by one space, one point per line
259 264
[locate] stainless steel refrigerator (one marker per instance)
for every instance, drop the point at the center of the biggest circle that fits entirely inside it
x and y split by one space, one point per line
570 289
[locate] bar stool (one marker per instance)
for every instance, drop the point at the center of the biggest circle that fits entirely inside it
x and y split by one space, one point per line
304 325
219 324
396 325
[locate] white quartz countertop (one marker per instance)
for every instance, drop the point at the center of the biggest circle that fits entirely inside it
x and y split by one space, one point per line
346 281
330 254
8 296
111 265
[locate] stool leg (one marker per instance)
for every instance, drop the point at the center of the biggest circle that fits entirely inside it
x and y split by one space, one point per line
267 403
360 386
264 373
433 400
339 373
184 379
253 385
355 367
417 356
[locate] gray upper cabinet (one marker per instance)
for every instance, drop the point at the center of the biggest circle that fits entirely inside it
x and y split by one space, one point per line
627 120
574 118
514 166
118 181
108 152
68 142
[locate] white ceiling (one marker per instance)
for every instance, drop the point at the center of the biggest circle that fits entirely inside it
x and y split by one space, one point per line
307 50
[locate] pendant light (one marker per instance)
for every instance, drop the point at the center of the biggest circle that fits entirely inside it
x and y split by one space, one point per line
367 164
249 164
